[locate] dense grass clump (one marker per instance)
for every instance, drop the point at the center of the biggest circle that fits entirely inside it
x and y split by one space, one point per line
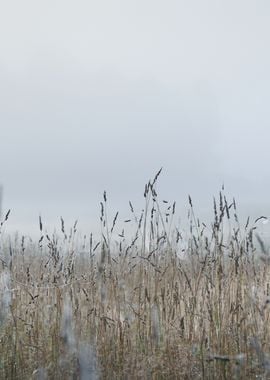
161 304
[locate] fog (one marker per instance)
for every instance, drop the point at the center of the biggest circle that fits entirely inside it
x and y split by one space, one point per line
98 96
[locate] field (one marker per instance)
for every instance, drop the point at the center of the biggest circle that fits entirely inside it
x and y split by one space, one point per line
161 304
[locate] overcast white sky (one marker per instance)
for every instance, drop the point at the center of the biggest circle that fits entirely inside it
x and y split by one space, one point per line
99 95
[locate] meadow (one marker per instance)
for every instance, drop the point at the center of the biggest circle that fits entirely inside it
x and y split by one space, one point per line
163 303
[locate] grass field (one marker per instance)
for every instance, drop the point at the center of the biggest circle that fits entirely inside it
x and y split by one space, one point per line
162 304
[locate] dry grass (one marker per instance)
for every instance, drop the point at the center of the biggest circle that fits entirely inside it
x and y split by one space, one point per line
160 305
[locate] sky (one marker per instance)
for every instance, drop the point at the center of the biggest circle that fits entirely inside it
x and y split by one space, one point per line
98 95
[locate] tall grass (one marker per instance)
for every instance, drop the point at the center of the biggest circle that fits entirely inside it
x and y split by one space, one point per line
161 304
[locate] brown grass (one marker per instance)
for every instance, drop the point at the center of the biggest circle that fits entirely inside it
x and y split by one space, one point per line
162 304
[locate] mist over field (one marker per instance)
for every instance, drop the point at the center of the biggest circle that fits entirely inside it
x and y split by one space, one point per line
99 96
134 146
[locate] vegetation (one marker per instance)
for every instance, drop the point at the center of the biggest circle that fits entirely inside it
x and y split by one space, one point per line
161 304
